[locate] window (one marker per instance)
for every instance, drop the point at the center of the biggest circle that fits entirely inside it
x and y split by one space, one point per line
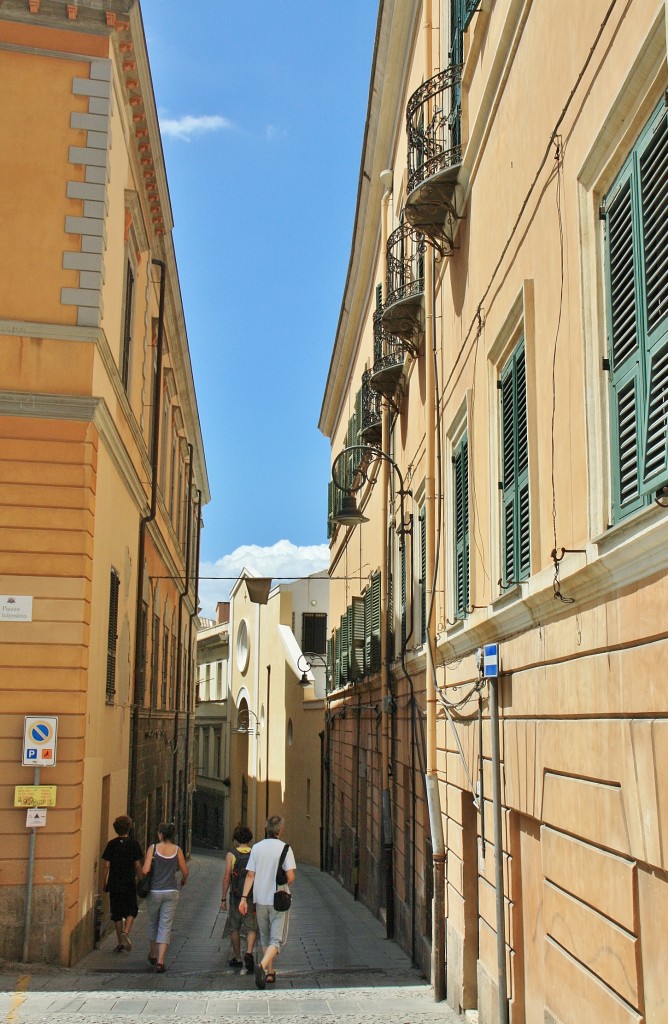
140 682
155 660
372 653
516 554
112 636
314 632
460 473
128 313
636 235
165 666
423 574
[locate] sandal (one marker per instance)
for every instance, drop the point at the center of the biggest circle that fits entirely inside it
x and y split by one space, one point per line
159 968
152 959
270 977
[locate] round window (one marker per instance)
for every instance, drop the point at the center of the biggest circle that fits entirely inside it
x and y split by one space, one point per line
243 647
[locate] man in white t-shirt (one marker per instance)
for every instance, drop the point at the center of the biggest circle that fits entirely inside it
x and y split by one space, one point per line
261 878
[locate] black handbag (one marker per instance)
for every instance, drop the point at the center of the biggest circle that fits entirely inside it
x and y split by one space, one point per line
282 899
144 884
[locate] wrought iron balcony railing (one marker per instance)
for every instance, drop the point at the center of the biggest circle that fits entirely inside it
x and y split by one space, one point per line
402 312
388 359
371 430
433 126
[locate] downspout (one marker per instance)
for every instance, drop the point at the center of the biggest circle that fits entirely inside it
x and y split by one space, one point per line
155 451
435 817
266 756
388 699
189 713
356 838
498 851
179 659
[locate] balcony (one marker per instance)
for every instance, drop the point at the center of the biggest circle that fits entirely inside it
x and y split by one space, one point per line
371 430
433 127
402 312
388 359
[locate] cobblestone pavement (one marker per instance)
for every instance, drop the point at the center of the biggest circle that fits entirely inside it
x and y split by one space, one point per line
337 966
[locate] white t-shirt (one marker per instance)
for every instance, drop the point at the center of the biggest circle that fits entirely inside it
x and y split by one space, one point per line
263 860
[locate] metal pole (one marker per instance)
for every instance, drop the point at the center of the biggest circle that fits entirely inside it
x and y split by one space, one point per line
31 865
498 851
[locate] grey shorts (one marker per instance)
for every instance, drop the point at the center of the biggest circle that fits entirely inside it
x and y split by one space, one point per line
273 925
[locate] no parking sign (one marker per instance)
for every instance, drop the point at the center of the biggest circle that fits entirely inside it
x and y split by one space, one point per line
39 741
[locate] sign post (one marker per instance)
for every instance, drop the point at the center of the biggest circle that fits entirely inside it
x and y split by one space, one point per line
39 750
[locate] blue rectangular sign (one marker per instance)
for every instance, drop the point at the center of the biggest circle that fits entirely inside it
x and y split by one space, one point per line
490 661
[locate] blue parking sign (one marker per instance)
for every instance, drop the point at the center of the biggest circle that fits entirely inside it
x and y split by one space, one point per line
31 754
490 661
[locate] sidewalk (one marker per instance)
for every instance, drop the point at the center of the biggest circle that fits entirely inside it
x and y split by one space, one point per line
337 964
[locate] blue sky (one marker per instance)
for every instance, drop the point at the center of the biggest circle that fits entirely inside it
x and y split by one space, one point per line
262 110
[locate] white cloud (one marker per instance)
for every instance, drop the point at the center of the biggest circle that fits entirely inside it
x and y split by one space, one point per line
282 559
188 127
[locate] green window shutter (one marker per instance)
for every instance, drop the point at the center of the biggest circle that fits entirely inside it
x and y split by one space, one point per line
356 638
516 541
462 555
345 651
372 658
423 574
404 599
470 7
336 678
379 296
330 663
358 420
653 175
636 238
112 636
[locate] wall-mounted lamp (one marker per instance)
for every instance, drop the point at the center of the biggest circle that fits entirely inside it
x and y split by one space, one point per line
244 726
308 658
364 456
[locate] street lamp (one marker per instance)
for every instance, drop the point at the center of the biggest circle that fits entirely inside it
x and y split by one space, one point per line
366 455
309 657
245 728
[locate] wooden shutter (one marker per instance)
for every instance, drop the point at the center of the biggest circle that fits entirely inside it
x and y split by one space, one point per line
516 537
330 664
140 682
356 638
404 599
653 175
372 658
345 651
423 574
112 636
461 488
127 325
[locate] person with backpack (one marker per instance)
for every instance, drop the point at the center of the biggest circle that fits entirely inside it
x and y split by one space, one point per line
236 866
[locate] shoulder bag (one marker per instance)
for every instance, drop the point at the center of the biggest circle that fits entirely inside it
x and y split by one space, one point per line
144 884
282 899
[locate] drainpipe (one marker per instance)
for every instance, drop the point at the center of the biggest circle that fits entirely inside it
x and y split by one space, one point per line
498 851
155 451
435 818
179 659
388 701
189 692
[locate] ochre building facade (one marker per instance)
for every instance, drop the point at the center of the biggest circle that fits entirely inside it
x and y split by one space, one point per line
101 463
496 404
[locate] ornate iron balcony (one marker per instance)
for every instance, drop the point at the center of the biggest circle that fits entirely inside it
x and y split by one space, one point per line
388 359
433 127
402 312
371 431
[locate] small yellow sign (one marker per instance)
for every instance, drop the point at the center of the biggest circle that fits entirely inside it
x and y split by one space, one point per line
35 796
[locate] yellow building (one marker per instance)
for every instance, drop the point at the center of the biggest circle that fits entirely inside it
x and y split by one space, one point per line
210 808
276 699
496 403
101 462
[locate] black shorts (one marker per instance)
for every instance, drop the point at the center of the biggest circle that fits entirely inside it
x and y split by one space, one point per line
123 904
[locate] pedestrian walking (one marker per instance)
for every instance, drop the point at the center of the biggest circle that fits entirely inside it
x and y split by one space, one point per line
122 857
236 865
163 860
265 879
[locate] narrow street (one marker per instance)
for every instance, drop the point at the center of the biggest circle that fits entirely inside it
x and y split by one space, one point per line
337 966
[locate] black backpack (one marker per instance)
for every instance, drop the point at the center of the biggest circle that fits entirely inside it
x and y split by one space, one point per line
239 875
